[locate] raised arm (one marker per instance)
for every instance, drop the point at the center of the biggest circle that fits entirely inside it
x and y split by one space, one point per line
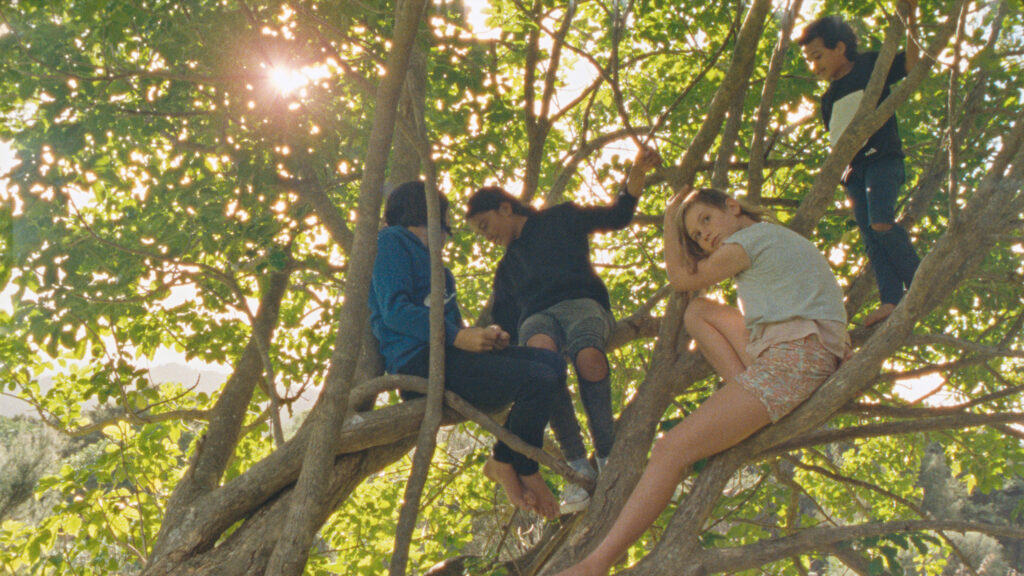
618 215
645 160
725 262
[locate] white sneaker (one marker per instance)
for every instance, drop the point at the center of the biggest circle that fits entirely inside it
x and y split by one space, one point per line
574 499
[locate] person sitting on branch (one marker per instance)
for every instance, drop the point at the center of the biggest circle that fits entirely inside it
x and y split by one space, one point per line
547 294
788 340
480 366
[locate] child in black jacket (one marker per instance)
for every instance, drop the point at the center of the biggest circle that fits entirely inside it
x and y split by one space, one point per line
547 295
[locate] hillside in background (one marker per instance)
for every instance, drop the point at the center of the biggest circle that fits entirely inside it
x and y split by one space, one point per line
204 380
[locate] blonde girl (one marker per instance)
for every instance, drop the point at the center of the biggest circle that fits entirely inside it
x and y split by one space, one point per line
789 338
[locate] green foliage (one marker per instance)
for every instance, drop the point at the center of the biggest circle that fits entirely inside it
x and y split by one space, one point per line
162 177
104 501
359 538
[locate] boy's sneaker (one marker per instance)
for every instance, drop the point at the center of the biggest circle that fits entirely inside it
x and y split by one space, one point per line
574 499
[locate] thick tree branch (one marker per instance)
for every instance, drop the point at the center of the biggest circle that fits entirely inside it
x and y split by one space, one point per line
812 539
310 504
730 138
735 77
759 140
426 441
226 418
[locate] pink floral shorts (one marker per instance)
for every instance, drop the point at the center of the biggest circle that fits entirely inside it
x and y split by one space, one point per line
786 374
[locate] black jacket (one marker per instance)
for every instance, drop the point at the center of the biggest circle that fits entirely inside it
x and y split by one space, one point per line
840 101
550 261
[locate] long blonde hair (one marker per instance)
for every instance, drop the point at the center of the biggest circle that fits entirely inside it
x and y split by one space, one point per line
717 199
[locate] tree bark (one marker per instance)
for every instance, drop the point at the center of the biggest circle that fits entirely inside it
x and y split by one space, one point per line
247 551
310 502
758 143
218 444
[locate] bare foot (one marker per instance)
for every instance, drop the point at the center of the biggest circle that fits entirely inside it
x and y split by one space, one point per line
546 503
504 475
879 314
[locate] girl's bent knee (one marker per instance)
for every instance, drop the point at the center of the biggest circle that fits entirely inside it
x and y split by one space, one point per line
696 311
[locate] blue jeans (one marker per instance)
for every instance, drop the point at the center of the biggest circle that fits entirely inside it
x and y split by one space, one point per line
529 379
873 190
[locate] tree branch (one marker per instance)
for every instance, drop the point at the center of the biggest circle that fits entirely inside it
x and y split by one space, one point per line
758 142
736 76
290 553
751 556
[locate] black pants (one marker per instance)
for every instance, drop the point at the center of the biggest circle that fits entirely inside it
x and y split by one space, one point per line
527 378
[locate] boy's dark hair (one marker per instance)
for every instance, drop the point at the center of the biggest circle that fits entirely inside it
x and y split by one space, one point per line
407 206
490 198
832 30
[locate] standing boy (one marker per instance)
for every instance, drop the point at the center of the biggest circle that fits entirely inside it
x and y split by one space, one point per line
874 176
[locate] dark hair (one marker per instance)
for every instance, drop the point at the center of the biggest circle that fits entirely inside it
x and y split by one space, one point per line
490 198
407 206
832 30
717 199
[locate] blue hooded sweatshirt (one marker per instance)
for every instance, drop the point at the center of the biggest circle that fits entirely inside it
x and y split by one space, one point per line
400 297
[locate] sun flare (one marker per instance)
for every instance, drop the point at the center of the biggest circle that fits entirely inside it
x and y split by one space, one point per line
287 80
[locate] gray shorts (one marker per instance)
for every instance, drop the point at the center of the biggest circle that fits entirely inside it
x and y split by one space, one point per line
572 324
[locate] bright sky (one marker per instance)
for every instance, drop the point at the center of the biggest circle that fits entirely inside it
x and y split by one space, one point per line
6 163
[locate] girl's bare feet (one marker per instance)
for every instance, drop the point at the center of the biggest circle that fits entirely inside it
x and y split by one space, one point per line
504 475
879 314
546 503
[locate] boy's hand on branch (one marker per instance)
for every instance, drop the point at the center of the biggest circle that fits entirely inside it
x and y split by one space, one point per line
645 160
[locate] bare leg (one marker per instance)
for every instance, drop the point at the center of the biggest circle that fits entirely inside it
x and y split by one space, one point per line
504 475
879 314
727 417
545 503
721 336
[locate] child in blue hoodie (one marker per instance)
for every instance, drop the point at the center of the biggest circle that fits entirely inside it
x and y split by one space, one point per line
480 366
